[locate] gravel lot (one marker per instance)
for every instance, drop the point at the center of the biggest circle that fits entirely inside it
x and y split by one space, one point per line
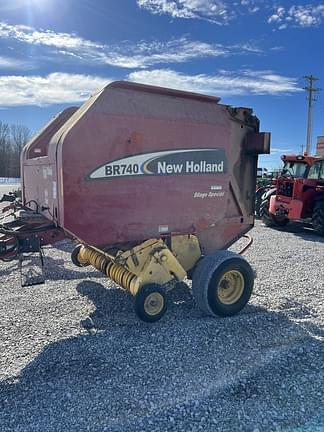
74 357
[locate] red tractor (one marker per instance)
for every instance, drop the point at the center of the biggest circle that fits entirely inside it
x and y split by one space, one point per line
268 186
297 194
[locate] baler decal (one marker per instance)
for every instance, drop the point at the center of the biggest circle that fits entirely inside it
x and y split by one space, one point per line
164 163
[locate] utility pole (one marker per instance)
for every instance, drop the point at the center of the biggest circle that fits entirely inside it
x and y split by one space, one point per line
310 90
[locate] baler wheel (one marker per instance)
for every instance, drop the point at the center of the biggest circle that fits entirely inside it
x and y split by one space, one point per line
222 283
74 256
150 302
268 218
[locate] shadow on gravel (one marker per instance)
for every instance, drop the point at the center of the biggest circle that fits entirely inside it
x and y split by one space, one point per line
300 230
55 270
255 371
114 306
64 245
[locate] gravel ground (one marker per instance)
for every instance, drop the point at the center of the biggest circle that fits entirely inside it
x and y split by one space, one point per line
74 357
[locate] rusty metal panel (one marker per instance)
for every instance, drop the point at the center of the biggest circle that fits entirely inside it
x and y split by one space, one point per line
258 143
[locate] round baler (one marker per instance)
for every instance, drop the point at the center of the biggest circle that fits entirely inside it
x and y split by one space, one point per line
154 185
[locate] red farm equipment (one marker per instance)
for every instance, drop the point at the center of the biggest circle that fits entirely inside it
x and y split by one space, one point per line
297 194
268 186
153 185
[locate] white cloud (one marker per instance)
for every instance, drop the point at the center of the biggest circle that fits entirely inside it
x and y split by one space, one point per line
253 6
277 48
223 11
276 150
58 88
52 89
245 82
278 16
216 11
298 16
12 63
127 54
46 37
306 16
211 10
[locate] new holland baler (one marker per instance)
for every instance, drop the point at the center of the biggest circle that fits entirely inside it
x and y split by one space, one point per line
153 185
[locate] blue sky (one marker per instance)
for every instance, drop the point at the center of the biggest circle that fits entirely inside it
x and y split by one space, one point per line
254 53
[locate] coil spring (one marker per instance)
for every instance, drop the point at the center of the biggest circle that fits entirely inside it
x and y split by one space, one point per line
97 260
121 275
116 272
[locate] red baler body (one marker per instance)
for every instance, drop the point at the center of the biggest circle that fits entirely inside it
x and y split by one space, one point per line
137 162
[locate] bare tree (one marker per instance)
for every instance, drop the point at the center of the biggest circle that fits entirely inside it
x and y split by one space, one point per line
20 135
12 140
4 149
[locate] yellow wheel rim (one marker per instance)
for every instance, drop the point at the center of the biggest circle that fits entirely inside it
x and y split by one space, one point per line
230 287
153 303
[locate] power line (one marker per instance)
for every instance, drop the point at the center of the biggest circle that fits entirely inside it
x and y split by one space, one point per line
311 91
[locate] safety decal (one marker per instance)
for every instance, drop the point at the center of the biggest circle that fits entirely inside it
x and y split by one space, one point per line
164 163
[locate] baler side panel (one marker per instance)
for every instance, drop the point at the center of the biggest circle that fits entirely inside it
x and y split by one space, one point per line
127 121
238 217
132 209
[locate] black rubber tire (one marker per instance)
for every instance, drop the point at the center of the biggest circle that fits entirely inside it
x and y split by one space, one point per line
205 283
269 219
318 219
139 302
74 256
258 200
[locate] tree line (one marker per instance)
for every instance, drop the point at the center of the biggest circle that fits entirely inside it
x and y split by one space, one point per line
12 139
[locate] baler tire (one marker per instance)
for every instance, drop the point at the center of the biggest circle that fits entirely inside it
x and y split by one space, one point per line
142 304
318 219
74 256
191 272
269 219
210 274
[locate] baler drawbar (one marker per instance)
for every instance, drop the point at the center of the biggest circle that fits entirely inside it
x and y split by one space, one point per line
153 185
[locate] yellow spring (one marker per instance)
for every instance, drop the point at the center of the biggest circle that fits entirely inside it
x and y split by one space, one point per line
115 272
121 275
90 256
